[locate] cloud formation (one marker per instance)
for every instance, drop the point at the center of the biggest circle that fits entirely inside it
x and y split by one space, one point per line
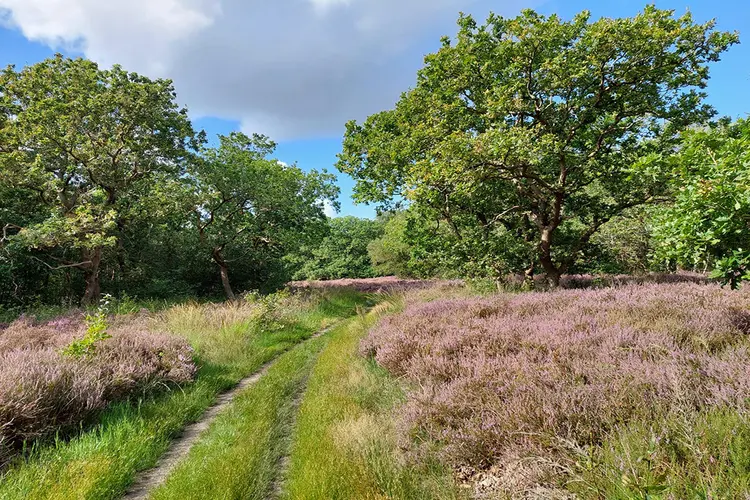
285 68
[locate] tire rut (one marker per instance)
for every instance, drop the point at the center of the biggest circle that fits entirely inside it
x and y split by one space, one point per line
150 479
282 466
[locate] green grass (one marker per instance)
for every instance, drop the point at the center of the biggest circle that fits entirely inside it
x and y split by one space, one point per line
703 456
102 460
345 444
239 456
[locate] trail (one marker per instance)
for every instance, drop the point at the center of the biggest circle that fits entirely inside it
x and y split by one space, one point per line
282 466
150 479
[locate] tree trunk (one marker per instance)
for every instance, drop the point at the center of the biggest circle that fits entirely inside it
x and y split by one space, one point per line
224 272
552 271
93 257
553 278
528 277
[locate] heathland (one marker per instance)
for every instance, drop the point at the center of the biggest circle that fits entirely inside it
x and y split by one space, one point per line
549 304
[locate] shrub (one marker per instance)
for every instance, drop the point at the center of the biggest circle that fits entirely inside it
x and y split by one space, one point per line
43 391
531 376
96 331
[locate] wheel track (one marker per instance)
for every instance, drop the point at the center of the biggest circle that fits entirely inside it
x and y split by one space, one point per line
150 479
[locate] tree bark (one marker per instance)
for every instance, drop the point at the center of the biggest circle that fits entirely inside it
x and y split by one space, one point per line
552 271
528 277
93 257
224 272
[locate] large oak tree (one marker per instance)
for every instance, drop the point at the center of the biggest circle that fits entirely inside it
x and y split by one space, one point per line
538 129
89 143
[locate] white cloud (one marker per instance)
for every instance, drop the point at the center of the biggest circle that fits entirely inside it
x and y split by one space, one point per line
329 209
284 68
324 5
139 33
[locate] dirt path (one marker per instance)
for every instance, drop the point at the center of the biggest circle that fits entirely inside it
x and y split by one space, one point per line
150 479
282 467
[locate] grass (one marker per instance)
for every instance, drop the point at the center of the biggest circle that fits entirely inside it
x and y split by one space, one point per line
702 456
122 305
345 444
101 461
239 455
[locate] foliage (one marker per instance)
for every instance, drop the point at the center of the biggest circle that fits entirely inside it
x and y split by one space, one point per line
342 253
87 143
537 130
96 331
390 254
250 206
414 245
709 223
734 269
101 186
625 244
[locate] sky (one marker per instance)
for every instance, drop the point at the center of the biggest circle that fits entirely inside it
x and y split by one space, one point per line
298 70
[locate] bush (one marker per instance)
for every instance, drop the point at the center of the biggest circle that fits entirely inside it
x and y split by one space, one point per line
43 391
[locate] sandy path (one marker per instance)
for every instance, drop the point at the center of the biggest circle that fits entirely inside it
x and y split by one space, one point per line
148 480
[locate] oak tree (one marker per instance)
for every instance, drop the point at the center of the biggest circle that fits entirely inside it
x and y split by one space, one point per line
85 141
248 203
538 129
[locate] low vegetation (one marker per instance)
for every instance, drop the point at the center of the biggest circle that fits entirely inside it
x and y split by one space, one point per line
524 385
45 387
230 341
240 455
345 444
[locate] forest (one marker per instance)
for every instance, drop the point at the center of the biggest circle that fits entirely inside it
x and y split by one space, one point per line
563 148
548 304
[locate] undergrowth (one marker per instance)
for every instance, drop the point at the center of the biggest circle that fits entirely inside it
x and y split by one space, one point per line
229 342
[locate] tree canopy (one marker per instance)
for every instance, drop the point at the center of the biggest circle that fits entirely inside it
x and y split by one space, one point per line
103 176
343 252
708 225
88 143
538 130
255 204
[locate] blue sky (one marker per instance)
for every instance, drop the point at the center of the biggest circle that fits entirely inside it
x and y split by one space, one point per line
297 70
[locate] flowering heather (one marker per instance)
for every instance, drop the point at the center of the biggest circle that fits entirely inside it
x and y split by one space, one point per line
43 391
522 378
374 285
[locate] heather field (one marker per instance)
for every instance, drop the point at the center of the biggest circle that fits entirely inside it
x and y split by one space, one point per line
385 284
44 391
636 391
615 388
